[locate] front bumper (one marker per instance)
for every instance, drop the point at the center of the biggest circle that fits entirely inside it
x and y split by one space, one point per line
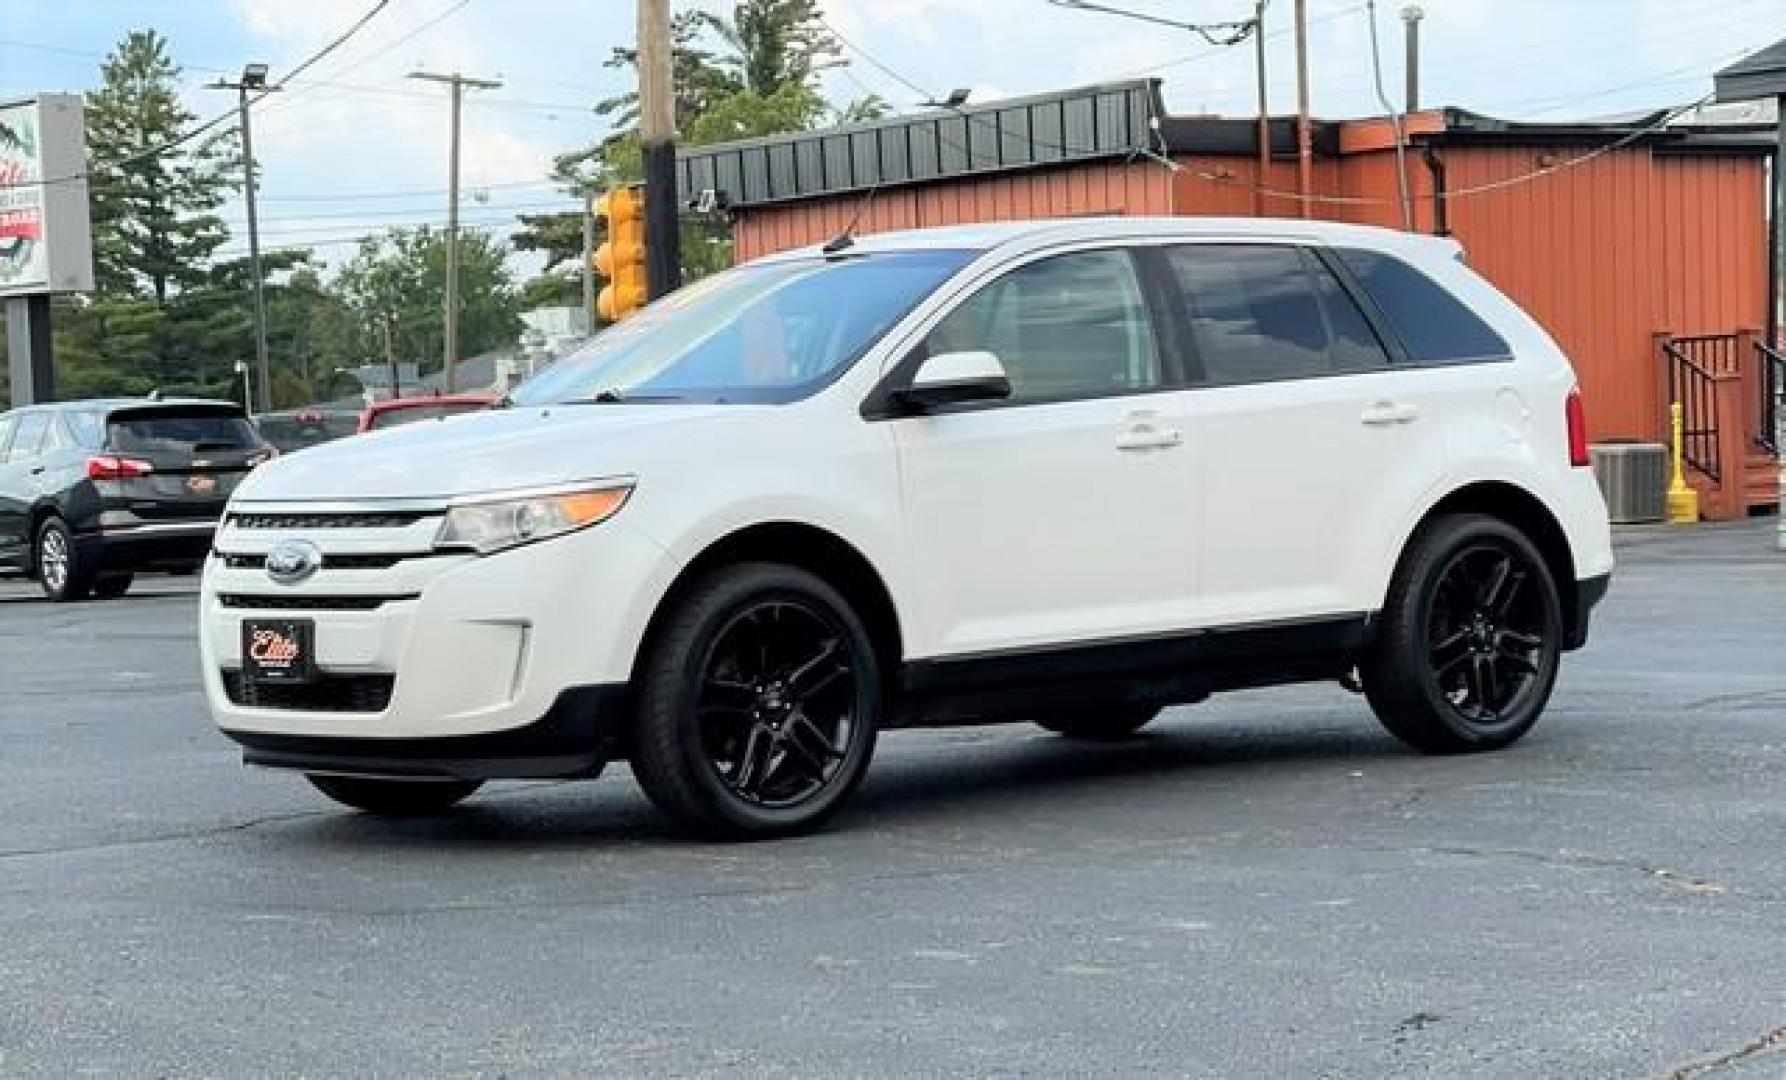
579 734
513 664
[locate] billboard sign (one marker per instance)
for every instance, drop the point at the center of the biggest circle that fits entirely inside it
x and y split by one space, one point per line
45 236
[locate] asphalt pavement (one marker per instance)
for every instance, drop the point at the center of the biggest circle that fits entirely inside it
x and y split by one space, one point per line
1262 885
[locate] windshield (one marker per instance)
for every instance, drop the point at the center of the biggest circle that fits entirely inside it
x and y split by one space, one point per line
766 333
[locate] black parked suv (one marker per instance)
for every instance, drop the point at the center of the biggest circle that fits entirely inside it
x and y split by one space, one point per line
93 491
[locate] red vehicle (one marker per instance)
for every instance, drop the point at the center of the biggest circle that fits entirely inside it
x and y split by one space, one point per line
388 414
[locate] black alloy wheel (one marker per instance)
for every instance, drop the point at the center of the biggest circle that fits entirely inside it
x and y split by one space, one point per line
776 702
1486 635
1470 640
759 704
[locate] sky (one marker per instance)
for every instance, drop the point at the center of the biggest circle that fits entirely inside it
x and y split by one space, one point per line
354 146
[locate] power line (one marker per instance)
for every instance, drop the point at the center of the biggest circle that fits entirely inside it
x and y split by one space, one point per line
181 140
1219 34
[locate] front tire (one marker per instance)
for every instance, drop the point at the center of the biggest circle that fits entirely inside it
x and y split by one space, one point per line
758 704
1100 725
394 798
1470 641
63 573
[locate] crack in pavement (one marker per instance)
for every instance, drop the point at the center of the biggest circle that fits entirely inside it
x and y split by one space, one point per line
161 838
237 826
1766 1044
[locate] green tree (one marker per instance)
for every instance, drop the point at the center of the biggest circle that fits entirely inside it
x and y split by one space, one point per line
753 72
155 221
399 281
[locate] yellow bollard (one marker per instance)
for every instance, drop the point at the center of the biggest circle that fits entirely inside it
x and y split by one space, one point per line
1683 501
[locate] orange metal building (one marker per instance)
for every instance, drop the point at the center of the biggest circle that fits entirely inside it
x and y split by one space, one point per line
1643 249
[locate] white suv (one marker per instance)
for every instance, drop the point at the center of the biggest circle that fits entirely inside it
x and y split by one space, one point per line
1068 472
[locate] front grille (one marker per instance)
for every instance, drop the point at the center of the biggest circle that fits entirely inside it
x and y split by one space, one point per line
329 562
359 519
327 693
273 602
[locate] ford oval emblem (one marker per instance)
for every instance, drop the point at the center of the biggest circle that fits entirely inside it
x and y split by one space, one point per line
291 561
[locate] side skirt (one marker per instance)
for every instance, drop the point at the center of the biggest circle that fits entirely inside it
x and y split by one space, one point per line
1173 669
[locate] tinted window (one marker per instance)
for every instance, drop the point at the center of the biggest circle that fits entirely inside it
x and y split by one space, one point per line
1432 324
771 332
7 423
411 414
1261 312
173 431
1070 326
29 436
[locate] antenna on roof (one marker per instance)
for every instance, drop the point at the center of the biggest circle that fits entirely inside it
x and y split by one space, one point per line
846 239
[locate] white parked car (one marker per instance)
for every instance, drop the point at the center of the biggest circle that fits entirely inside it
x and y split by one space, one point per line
1068 472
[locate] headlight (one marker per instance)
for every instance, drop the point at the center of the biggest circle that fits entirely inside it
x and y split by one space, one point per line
492 523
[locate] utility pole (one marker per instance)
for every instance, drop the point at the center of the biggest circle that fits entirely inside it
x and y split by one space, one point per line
1305 148
1411 16
457 83
390 359
588 266
657 138
254 77
1264 111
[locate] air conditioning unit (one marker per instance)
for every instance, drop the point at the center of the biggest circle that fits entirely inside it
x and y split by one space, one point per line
1633 477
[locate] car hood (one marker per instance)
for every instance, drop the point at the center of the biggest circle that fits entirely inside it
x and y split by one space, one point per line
477 452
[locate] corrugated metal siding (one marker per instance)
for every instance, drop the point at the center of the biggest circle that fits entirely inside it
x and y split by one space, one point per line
1606 253
1140 187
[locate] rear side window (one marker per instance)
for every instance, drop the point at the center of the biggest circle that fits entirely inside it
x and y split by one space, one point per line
86 428
1433 325
181 432
7 423
1264 312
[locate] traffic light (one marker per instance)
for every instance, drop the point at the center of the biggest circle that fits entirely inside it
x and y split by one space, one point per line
621 259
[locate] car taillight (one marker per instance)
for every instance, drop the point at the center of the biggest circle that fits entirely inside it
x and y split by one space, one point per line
112 467
1578 428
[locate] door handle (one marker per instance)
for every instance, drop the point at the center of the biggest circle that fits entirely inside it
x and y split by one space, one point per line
37 470
1389 413
1147 435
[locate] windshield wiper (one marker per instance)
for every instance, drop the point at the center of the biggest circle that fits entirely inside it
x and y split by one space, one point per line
612 396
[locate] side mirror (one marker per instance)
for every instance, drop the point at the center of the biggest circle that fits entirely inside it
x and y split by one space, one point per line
951 378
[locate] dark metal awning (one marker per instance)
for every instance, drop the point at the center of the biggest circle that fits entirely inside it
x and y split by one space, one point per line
1759 75
1113 120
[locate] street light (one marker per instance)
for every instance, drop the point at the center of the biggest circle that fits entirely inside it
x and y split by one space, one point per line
956 99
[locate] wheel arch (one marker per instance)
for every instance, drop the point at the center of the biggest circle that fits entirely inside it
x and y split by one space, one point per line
39 514
1524 511
816 550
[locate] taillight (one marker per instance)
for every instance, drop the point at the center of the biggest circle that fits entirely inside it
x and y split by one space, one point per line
112 467
1578 428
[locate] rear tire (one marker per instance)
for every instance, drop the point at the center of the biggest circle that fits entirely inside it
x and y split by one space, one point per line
112 586
394 798
1470 640
758 706
63 573
1100 725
